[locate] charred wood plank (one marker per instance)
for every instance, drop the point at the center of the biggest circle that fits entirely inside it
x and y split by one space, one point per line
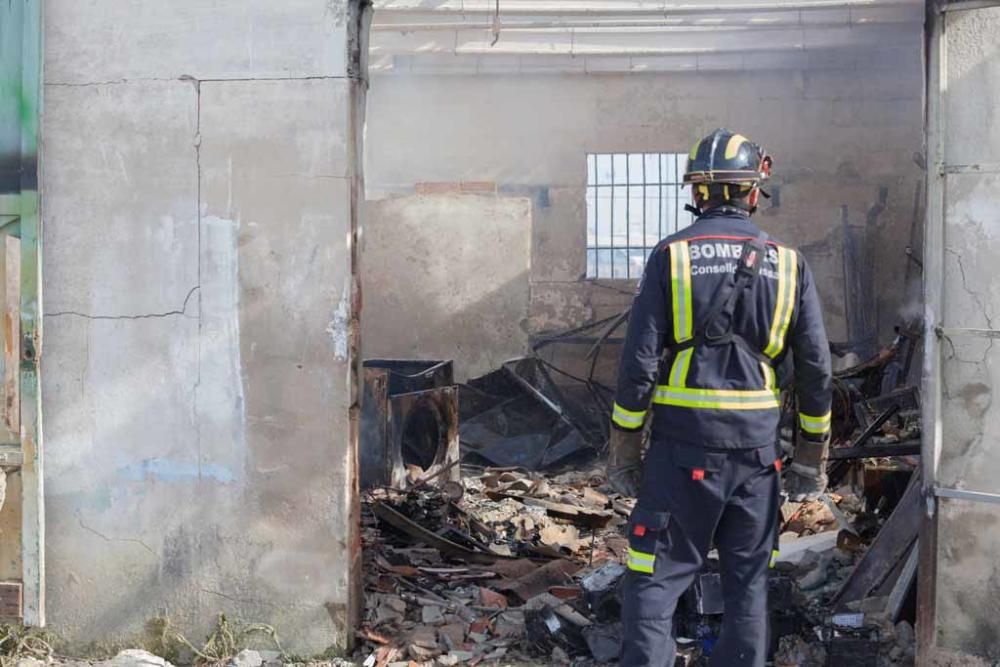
910 448
891 545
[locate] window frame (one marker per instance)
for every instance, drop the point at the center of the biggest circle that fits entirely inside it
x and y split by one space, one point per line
664 190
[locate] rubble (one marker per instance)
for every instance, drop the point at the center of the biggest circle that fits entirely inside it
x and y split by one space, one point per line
514 567
136 658
522 559
442 591
246 658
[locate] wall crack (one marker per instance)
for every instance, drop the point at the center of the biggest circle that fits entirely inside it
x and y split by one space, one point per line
114 539
144 316
965 284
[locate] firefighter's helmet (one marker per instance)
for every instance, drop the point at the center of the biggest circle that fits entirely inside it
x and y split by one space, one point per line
725 157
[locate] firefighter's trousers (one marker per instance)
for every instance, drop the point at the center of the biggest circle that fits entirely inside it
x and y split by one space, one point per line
691 498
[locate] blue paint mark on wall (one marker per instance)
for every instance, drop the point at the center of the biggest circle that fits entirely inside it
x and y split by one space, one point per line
165 470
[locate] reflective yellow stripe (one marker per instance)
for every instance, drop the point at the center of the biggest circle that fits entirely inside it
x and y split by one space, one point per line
774 558
680 367
680 290
768 373
785 304
716 399
733 146
640 562
818 425
627 418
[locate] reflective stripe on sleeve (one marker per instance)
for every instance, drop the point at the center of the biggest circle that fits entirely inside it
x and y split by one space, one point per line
817 425
784 306
628 419
716 399
640 562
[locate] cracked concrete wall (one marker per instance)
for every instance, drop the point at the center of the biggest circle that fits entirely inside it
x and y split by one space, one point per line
197 220
838 132
968 587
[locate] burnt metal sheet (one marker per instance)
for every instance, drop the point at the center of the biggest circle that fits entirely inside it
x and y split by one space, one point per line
421 534
423 431
398 397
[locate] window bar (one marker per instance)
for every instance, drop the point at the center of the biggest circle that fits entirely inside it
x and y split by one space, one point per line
659 203
677 196
597 210
663 195
628 216
645 207
611 241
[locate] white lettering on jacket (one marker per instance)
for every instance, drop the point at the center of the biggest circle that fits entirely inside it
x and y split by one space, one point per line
722 250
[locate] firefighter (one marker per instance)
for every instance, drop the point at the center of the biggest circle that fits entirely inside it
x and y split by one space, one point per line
720 306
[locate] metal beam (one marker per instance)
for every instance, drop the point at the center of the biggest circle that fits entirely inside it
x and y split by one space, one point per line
623 7
967 5
661 25
985 168
32 494
962 494
933 288
955 332
642 43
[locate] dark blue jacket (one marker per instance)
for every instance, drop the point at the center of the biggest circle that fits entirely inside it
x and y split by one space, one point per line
723 396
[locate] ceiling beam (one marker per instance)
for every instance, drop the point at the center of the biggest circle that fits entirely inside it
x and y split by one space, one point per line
623 7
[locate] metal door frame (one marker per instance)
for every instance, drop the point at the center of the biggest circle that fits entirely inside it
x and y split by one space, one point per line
934 238
22 209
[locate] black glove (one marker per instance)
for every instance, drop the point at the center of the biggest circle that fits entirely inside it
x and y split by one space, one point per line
805 478
625 461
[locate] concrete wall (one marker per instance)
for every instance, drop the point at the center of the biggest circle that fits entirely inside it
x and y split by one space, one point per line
968 585
197 364
447 278
837 131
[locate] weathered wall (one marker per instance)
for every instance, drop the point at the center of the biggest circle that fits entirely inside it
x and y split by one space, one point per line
196 370
838 132
968 586
447 278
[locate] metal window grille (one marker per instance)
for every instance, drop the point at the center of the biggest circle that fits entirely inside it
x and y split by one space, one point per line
633 201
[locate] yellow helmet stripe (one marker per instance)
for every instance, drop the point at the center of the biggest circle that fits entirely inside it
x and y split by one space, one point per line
733 147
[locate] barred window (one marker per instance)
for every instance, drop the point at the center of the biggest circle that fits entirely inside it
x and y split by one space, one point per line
633 201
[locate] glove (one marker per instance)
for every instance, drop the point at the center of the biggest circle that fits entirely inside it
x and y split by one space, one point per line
625 461
805 478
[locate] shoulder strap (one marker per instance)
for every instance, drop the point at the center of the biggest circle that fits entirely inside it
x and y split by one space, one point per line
717 326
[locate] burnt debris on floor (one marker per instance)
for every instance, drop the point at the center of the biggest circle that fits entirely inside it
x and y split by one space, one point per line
490 534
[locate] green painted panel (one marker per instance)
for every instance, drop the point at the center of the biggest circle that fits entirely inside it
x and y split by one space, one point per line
20 110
